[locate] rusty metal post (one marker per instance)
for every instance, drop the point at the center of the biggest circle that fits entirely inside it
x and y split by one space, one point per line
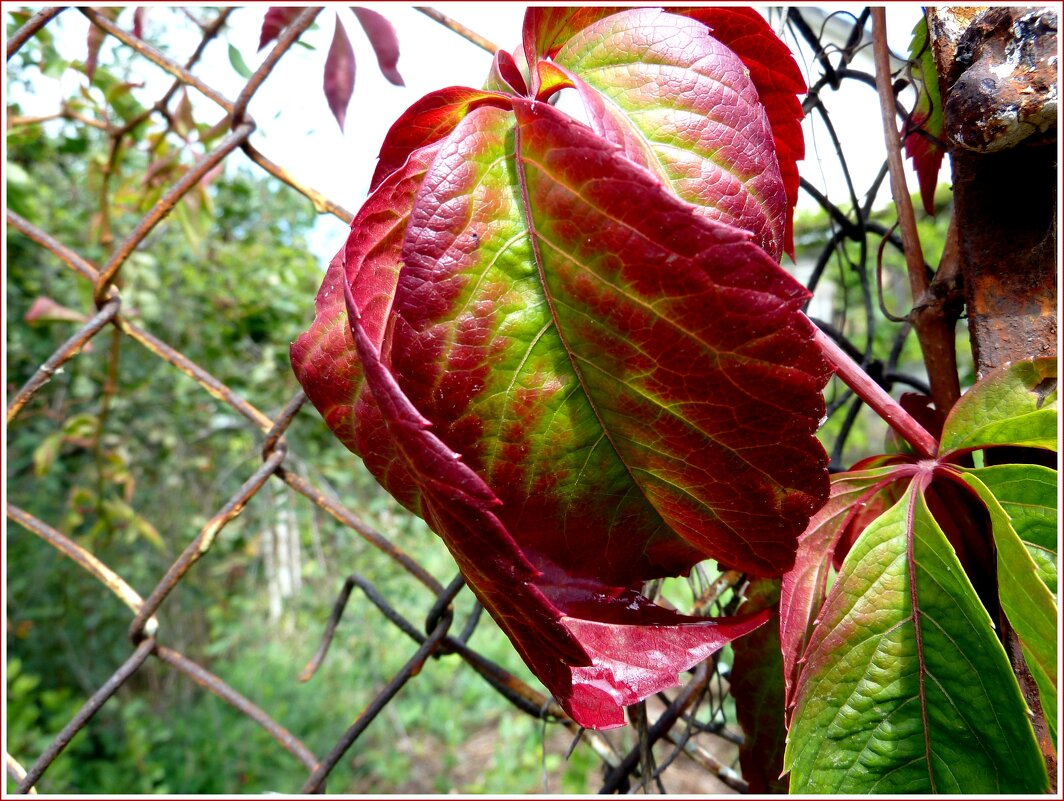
998 75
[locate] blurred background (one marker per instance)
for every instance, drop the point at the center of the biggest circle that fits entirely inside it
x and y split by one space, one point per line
130 459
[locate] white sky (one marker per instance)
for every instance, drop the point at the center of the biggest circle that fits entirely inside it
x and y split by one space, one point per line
297 130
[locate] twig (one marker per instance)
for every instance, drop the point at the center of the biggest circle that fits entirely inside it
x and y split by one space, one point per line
16 771
933 329
114 582
33 24
460 29
84 715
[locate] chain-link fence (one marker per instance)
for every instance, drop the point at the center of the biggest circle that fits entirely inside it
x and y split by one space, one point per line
672 731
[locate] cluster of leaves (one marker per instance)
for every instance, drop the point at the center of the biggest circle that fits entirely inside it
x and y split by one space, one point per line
591 319
896 680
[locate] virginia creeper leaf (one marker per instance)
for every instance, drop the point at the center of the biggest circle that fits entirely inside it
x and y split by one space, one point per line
46 310
275 21
756 684
95 41
804 587
926 116
382 37
1028 494
428 120
745 33
506 76
644 75
339 81
778 80
1015 404
594 666
576 379
546 28
906 689
1026 601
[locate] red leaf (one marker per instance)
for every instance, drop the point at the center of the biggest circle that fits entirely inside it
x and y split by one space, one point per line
680 103
756 684
46 310
385 43
778 80
324 357
546 29
597 648
505 75
339 73
95 41
578 381
745 32
430 119
138 22
275 21
926 157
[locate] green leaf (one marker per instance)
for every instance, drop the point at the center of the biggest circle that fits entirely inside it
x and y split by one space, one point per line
45 454
906 688
1026 601
238 62
1028 494
1012 405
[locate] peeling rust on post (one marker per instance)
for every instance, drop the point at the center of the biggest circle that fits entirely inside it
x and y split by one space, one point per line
998 72
1000 87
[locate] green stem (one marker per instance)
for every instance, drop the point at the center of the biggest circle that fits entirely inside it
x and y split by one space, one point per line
877 398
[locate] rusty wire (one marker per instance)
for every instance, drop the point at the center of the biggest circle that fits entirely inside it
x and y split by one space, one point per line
435 637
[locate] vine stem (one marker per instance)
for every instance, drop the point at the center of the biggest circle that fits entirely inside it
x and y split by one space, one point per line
934 327
876 397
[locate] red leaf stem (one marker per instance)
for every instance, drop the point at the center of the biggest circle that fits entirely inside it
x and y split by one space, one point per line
876 397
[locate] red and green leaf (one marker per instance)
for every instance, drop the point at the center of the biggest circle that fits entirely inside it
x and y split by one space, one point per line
580 381
856 499
778 80
643 75
864 691
923 130
427 121
745 33
905 687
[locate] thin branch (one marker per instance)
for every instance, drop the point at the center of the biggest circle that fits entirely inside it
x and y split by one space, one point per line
914 255
33 24
460 29
934 327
